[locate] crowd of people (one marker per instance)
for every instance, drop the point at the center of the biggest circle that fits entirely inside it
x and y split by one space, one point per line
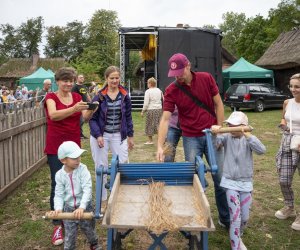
10 98
190 104
15 98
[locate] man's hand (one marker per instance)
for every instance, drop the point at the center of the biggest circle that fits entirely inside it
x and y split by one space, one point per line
215 129
160 154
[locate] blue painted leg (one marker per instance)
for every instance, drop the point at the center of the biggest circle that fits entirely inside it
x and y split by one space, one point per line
99 181
204 240
158 241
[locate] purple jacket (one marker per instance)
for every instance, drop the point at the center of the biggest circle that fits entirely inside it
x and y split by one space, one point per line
98 120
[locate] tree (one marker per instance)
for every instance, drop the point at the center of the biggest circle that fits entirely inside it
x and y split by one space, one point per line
10 44
232 29
282 19
134 63
258 33
31 35
22 41
76 32
57 42
254 39
102 42
67 42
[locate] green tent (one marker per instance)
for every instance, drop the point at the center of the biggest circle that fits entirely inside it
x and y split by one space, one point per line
36 79
243 71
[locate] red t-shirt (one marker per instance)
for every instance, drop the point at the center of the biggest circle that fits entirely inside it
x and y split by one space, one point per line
192 118
67 129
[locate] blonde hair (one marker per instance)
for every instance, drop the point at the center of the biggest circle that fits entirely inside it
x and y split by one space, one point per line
152 81
110 70
296 76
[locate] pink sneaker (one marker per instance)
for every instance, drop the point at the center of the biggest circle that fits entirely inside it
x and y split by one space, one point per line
57 236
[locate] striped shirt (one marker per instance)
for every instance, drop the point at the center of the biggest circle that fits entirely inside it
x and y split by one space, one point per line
113 118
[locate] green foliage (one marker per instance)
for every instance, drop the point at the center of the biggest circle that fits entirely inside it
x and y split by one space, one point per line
254 40
57 42
31 35
67 42
10 44
134 60
283 18
22 41
102 43
232 29
251 37
3 59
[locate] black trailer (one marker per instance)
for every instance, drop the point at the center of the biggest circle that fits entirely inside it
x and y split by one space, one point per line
201 46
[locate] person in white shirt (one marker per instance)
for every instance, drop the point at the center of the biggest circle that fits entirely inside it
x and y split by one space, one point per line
153 107
287 157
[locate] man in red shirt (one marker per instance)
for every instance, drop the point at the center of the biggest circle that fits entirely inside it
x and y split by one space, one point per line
193 119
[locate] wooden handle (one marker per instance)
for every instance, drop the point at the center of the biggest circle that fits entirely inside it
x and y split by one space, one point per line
69 216
234 129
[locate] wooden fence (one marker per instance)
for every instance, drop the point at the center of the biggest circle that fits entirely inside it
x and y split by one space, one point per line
22 141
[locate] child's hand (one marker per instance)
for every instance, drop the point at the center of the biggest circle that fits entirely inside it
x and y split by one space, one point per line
78 213
246 134
55 213
215 128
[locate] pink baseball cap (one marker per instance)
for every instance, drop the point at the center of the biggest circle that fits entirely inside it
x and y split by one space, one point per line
177 63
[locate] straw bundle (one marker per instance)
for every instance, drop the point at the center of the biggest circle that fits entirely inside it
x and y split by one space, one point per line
168 149
160 217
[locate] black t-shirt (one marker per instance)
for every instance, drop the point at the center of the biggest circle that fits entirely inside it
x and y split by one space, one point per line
81 90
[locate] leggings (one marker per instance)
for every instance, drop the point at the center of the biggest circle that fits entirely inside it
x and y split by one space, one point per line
239 207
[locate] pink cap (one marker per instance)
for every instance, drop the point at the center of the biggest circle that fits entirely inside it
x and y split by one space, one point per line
177 63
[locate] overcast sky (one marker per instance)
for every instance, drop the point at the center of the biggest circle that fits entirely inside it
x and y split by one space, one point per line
132 13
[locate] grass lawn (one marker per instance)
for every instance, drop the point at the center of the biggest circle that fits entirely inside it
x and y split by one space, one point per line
21 226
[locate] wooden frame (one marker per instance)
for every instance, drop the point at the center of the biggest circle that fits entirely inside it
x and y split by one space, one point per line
128 206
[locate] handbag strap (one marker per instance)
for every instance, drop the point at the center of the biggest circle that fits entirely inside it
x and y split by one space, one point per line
290 111
195 99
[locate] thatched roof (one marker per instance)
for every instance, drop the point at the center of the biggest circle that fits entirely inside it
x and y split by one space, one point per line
19 67
226 55
283 53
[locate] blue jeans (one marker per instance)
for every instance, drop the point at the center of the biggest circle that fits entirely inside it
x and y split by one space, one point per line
173 138
55 165
194 146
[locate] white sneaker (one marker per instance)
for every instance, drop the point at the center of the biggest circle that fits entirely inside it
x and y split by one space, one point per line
296 223
242 245
285 213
